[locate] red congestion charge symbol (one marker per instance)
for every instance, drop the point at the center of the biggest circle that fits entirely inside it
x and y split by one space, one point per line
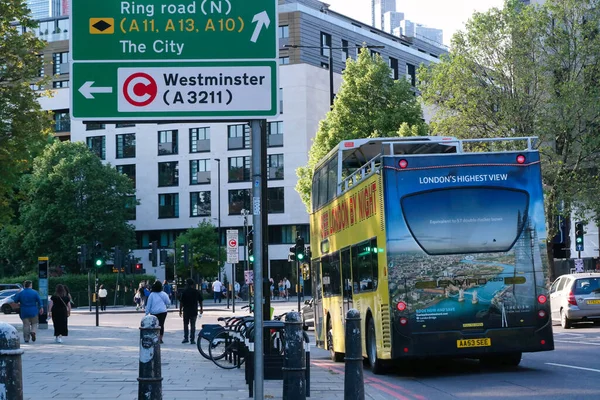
232 243
140 89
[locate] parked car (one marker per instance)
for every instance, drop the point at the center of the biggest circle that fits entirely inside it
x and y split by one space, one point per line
9 292
5 286
576 298
308 314
7 305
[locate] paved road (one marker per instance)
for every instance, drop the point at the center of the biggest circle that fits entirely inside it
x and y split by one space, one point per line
102 363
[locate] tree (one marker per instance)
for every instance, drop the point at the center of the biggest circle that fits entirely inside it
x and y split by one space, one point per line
369 104
529 71
74 199
24 127
203 245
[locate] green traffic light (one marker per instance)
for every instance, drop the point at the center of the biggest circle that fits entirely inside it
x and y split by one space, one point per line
579 240
251 258
98 263
300 256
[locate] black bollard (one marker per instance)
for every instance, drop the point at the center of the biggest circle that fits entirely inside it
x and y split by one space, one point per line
150 379
354 385
294 359
11 368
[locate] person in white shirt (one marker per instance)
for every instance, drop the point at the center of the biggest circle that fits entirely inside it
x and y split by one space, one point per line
157 304
217 286
287 286
236 287
103 295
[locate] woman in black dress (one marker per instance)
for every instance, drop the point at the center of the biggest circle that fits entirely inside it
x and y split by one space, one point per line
60 310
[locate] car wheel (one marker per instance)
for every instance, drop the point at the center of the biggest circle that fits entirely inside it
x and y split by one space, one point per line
375 363
564 321
6 309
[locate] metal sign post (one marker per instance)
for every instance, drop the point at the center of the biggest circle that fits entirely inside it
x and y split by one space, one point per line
43 274
232 257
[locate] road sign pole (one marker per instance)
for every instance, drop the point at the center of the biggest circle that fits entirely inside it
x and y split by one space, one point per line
255 126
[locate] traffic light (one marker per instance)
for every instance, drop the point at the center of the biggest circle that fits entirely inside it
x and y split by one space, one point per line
250 244
185 257
99 262
579 236
154 253
308 253
292 255
82 254
138 268
300 251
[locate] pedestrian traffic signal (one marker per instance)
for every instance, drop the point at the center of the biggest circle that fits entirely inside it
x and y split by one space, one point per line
579 236
154 252
250 244
185 257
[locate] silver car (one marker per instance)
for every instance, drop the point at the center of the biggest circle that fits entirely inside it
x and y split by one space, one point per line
576 298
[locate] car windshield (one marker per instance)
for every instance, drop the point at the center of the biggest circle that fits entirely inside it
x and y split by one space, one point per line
586 286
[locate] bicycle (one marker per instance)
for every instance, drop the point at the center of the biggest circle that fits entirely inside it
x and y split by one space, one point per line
209 331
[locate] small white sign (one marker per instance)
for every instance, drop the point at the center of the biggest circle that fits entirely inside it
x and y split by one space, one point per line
232 246
578 265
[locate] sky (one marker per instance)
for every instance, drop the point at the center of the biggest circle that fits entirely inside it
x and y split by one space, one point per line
448 15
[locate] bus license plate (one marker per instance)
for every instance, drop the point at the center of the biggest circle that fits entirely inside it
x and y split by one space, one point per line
593 301
463 343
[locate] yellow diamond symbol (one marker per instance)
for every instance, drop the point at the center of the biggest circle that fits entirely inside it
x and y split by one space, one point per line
102 26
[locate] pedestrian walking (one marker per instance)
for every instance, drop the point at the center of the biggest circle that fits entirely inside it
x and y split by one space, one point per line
31 308
272 288
157 304
168 289
103 295
287 287
217 286
60 311
236 288
190 300
142 295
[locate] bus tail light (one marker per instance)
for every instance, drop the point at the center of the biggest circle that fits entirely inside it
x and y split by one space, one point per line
406 349
542 299
521 159
403 321
401 306
571 300
541 313
542 342
403 163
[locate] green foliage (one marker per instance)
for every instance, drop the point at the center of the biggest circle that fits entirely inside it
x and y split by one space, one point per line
74 199
24 127
529 71
369 104
203 244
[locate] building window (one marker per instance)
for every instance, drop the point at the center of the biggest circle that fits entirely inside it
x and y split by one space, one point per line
199 140
239 169
239 200
126 145
97 144
94 126
41 72
325 44
60 63
167 142
60 84
238 137
374 53
284 60
410 74
275 200
286 234
129 170
199 172
345 51
124 125
62 121
168 173
393 63
275 166
168 205
130 207
283 32
199 204
275 134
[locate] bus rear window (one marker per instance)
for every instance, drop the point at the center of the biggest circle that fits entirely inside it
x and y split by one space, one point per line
466 220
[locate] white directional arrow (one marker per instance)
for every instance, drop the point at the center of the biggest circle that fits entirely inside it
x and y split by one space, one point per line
261 19
86 89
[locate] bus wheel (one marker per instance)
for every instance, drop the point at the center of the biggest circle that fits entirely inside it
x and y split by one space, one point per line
564 321
375 363
502 361
335 356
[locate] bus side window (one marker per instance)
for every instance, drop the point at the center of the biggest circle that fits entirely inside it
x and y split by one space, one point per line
365 266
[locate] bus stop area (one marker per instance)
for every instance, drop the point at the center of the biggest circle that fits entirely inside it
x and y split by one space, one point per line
103 363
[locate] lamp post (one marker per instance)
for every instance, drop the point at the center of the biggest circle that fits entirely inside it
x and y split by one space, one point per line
331 95
218 160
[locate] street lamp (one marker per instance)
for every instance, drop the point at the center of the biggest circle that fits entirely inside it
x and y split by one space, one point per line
297 46
218 160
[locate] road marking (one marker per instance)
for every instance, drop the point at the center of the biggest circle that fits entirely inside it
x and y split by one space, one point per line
576 342
574 367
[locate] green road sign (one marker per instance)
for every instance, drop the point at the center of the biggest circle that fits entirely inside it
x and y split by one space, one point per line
180 60
155 91
177 30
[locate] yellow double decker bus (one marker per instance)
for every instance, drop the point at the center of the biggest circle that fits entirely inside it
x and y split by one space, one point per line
438 242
